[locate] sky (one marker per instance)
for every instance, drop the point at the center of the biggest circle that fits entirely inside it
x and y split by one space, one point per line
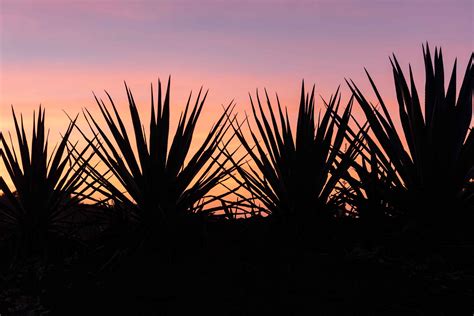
55 53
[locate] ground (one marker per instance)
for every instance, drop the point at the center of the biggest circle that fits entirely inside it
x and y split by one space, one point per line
242 269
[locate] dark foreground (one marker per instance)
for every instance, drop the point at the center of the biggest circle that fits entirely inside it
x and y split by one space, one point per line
249 268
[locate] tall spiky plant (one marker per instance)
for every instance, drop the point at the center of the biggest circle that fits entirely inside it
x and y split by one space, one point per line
46 187
161 185
295 177
430 175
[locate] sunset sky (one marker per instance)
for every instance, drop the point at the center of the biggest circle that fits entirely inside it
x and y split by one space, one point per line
57 52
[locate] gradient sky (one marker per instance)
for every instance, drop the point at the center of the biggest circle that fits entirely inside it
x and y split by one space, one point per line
57 52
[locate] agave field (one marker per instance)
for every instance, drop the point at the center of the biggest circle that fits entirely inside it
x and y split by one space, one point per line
331 214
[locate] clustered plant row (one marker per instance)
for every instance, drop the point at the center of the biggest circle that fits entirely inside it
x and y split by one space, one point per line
327 167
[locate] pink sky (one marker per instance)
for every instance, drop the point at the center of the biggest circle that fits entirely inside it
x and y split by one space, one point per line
57 52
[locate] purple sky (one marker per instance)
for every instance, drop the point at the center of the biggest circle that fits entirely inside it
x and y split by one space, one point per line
56 52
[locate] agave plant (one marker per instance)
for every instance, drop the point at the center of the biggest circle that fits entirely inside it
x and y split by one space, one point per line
432 173
161 183
370 189
295 177
46 187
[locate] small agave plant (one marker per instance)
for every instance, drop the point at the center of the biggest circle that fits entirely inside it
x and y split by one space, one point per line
163 185
46 187
294 173
432 175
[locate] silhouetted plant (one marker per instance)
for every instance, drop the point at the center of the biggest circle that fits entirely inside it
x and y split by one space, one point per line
296 176
47 187
431 174
161 185
369 191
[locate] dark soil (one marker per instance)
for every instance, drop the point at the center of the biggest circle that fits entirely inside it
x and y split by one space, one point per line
247 268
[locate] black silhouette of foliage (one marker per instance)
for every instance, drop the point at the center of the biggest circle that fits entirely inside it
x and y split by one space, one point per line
380 189
296 176
47 187
161 185
434 171
369 188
